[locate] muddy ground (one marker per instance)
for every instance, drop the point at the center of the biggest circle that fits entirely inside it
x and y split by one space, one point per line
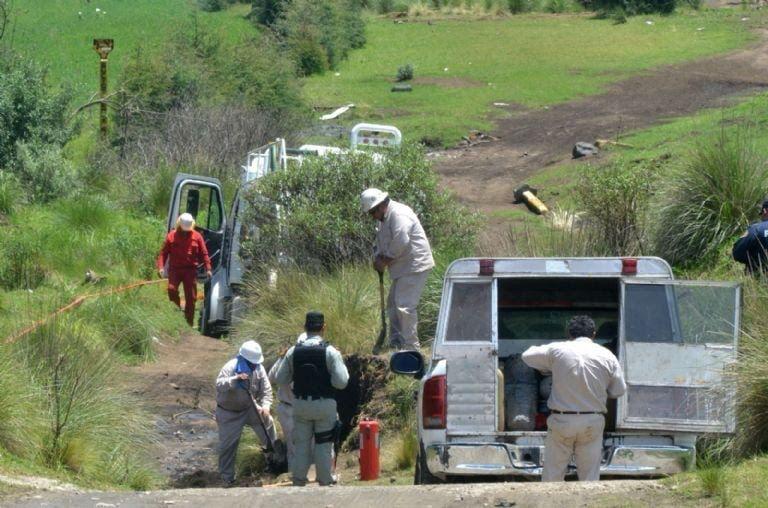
484 176
179 390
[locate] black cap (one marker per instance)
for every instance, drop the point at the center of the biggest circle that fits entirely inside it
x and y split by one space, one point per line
765 202
314 321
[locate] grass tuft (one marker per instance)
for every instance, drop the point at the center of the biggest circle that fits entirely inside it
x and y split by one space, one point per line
712 198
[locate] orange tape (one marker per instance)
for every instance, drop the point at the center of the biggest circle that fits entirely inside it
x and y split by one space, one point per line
76 303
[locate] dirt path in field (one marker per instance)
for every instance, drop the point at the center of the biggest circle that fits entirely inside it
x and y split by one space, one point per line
593 494
485 175
179 389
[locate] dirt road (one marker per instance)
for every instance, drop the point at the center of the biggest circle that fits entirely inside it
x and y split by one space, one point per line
179 390
617 493
485 175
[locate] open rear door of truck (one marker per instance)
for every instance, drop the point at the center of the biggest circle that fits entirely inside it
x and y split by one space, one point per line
677 343
468 342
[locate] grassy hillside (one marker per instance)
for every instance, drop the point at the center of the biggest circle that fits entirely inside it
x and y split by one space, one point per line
60 33
462 67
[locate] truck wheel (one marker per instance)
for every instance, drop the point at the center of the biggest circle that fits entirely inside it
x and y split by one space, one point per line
421 475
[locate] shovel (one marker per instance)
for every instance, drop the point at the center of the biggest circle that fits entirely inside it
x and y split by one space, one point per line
275 450
383 333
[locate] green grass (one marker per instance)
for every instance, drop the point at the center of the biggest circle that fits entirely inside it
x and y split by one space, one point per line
738 485
532 60
52 32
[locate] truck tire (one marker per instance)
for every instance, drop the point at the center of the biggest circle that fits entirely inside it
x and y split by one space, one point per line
421 475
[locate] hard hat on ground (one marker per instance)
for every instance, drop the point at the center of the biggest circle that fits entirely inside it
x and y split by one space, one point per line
251 351
372 197
186 222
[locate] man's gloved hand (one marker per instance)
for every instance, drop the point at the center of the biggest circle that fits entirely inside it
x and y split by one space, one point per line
161 273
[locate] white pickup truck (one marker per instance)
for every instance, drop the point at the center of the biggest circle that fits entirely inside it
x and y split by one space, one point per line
481 414
203 197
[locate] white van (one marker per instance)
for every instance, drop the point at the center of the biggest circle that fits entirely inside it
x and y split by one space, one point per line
480 415
223 232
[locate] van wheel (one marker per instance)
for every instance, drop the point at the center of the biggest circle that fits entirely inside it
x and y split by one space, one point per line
421 475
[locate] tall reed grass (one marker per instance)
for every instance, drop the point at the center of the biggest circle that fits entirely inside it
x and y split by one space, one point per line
62 408
712 197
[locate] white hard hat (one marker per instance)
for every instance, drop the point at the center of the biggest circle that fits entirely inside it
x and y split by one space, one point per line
186 221
370 198
251 351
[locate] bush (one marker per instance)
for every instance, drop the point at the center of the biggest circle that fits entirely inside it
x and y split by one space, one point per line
518 6
266 12
634 7
336 25
557 6
31 112
386 6
11 194
45 173
322 225
405 73
615 200
712 197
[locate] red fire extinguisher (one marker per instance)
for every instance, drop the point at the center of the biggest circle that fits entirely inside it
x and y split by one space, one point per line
369 449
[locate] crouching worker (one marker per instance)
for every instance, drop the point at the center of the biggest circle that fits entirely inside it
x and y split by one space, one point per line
584 375
184 249
316 370
242 389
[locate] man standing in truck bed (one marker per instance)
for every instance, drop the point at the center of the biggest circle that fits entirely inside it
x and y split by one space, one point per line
402 246
584 375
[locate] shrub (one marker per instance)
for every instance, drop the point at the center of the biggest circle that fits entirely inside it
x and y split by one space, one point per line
615 200
266 12
557 6
322 225
518 6
31 111
405 73
386 6
11 194
634 7
212 5
21 266
336 25
311 57
45 173
712 197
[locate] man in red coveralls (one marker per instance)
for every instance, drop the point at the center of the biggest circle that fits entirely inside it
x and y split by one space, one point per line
184 249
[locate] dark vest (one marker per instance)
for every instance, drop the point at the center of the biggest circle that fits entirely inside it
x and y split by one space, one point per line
311 377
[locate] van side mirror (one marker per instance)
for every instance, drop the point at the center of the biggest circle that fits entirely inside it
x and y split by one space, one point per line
409 363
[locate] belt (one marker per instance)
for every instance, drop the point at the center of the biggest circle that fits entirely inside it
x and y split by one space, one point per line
310 397
555 411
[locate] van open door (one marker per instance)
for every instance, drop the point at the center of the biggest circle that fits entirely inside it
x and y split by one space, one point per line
203 198
468 342
677 339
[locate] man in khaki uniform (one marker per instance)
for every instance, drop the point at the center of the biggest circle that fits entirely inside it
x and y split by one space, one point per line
284 408
242 388
316 370
584 375
403 247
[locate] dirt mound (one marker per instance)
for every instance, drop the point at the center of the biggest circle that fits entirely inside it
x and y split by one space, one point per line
367 375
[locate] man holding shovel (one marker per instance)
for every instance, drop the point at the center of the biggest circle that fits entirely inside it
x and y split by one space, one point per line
403 247
243 397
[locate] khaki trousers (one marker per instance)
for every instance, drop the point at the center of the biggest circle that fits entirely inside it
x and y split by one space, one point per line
568 435
231 425
285 417
404 295
309 418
